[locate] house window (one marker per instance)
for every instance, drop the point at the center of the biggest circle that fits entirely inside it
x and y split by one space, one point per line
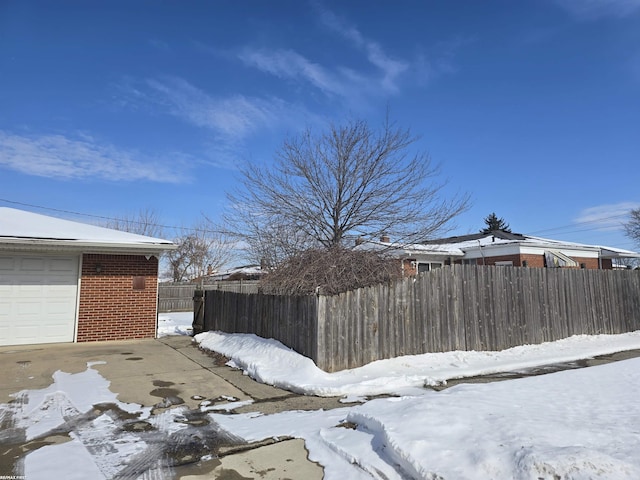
427 267
508 263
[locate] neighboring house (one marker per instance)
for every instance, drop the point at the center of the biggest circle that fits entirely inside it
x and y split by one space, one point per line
64 281
502 249
246 272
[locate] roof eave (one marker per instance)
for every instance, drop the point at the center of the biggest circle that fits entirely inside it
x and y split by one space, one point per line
85 246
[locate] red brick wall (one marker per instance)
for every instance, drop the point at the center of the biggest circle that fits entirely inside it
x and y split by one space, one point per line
590 263
110 308
408 268
532 260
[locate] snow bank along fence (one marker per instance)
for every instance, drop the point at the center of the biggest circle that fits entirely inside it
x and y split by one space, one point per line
178 297
460 307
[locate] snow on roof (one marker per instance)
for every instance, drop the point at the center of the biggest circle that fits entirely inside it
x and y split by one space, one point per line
247 270
20 227
458 246
410 249
495 238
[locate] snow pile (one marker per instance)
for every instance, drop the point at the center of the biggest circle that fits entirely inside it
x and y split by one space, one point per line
572 424
576 424
268 361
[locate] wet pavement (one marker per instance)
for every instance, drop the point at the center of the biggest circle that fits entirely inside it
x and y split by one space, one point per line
178 384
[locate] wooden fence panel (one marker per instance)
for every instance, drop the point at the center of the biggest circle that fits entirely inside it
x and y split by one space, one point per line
176 297
453 308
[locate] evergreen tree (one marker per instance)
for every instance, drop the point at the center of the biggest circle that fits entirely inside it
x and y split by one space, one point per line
495 223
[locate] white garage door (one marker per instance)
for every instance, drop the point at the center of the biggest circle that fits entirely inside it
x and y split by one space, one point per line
38 295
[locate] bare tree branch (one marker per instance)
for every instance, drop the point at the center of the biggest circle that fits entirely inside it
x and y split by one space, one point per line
145 222
632 227
200 248
346 182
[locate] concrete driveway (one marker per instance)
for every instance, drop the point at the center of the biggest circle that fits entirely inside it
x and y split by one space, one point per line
163 374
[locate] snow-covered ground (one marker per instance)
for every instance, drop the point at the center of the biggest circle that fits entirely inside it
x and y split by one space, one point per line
175 323
575 424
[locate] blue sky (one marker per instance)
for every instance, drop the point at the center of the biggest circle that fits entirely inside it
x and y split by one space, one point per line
531 107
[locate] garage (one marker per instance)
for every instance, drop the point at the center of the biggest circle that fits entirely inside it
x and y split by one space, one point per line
38 298
64 281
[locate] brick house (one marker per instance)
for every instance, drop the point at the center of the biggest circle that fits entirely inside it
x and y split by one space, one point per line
501 248
65 281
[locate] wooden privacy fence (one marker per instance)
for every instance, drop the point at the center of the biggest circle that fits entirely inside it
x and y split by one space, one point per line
454 308
175 297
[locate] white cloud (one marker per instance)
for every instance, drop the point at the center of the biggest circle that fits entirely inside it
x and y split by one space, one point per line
592 9
233 117
607 217
59 156
291 65
228 122
391 68
336 80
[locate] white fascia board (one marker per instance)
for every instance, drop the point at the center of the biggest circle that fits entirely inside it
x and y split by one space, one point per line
569 252
431 257
437 255
493 250
23 244
499 250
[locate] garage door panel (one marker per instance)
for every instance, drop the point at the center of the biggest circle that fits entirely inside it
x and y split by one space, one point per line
7 264
38 296
65 265
32 264
24 334
60 307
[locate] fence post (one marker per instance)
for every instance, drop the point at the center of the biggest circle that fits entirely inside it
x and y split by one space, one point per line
198 311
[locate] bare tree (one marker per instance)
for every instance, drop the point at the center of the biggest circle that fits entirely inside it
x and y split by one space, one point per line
200 249
632 227
349 181
269 242
145 222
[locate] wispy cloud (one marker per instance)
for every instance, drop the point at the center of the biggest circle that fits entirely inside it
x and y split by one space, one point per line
593 9
291 65
384 75
391 68
233 117
82 157
607 217
227 122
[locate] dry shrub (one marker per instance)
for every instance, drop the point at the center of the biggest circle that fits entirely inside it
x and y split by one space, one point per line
330 272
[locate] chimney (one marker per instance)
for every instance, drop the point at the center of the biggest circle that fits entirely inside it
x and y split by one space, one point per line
385 238
209 269
359 241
